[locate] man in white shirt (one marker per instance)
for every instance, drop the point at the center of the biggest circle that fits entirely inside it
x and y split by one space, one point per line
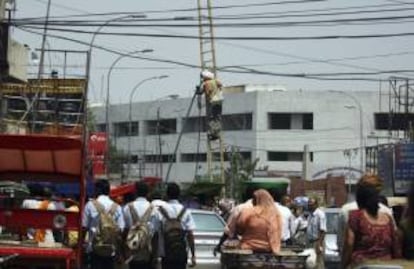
90 222
288 219
316 230
141 205
174 209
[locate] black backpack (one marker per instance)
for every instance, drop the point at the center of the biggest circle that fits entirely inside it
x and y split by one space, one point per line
175 245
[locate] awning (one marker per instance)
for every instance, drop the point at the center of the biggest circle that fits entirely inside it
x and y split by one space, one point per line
40 158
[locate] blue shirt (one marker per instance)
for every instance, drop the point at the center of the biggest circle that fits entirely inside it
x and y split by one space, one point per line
90 217
140 205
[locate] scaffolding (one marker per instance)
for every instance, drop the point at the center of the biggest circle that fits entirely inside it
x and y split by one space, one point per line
401 108
54 105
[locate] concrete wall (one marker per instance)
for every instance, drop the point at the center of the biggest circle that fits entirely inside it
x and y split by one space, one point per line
336 127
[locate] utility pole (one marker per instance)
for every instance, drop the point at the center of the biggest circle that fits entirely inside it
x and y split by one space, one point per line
159 141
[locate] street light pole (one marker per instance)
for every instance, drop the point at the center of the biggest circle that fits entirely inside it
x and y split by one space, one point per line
89 63
107 104
361 128
169 96
130 119
88 74
159 141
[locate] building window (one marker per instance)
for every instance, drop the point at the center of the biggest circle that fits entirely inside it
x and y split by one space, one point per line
166 126
154 158
101 127
193 157
246 155
393 121
307 123
288 121
202 157
232 122
134 158
236 122
195 125
285 156
122 129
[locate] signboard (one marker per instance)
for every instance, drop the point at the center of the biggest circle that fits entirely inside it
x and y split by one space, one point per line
403 167
97 150
385 163
45 86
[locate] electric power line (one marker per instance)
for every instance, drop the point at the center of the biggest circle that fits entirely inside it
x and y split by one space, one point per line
244 38
241 71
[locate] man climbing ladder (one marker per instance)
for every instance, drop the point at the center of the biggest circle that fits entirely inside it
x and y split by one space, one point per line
211 87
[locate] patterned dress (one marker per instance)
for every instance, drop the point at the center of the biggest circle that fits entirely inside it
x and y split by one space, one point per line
372 241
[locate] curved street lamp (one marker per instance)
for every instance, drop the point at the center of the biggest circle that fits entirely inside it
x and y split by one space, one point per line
89 61
88 73
130 119
361 127
107 103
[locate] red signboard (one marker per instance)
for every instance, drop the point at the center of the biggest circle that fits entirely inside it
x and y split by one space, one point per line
97 150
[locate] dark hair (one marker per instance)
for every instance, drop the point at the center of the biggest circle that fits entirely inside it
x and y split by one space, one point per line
129 197
367 198
102 187
248 193
141 189
156 194
277 194
173 191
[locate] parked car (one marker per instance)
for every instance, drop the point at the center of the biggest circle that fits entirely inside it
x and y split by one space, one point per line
332 257
209 228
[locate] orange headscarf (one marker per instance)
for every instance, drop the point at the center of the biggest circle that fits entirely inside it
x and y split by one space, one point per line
264 206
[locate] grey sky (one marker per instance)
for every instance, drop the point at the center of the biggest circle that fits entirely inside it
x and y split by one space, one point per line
274 56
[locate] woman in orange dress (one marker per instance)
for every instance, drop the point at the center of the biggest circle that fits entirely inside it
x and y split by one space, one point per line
260 226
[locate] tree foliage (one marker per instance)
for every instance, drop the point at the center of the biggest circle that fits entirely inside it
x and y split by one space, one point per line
240 171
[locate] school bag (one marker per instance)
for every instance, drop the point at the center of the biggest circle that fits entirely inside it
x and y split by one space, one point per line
175 246
139 236
106 239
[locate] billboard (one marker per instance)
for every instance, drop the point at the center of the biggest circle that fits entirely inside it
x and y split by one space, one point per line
97 147
403 167
385 169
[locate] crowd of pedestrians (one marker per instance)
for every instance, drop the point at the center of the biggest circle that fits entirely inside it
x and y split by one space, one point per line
147 232
367 228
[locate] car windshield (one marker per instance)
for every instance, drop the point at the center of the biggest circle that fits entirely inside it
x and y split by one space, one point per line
207 222
332 222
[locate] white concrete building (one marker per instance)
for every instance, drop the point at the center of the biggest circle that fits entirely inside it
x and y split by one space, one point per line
262 121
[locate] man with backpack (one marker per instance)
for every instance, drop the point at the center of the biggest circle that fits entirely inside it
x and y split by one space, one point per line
176 229
139 222
104 222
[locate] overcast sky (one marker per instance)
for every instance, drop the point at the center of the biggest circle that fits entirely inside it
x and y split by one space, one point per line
250 21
